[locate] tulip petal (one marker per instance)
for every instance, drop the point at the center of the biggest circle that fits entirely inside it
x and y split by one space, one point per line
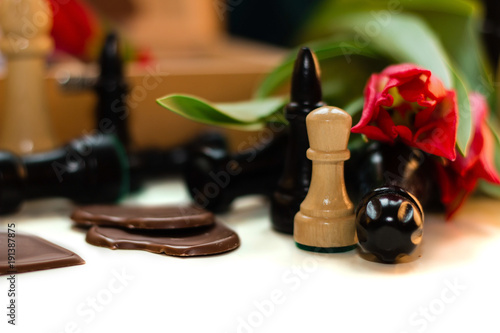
425 114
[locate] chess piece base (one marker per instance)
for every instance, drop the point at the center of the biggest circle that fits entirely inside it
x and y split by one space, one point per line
325 233
326 249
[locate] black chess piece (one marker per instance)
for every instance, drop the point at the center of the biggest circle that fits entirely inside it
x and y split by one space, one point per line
112 118
154 163
215 178
391 184
93 169
379 164
306 95
111 89
389 223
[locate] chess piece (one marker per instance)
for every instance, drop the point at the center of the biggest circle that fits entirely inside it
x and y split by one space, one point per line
26 42
394 180
325 222
111 90
380 164
154 163
87 170
214 177
294 183
389 223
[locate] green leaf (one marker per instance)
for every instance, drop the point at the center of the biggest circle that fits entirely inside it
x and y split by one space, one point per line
464 130
247 115
457 25
319 24
403 38
325 50
355 106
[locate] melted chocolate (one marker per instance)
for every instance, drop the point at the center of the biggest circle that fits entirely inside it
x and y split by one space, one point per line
33 253
201 241
130 217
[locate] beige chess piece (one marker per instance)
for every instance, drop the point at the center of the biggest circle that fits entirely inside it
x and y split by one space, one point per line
25 126
325 222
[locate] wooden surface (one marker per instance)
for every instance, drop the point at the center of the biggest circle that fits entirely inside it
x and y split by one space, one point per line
326 217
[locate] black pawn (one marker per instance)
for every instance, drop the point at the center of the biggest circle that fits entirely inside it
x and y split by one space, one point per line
111 89
389 223
294 183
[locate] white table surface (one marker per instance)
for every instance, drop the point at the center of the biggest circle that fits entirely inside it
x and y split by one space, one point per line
267 285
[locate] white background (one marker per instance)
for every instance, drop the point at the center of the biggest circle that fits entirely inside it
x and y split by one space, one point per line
267 285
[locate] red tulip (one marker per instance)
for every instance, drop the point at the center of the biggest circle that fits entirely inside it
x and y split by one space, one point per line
459 178
407 102
76 29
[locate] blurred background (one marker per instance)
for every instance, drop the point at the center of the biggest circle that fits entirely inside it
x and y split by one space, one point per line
219 50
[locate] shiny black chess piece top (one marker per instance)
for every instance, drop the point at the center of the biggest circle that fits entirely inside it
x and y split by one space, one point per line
92 169
306 95
389 223
380 164
390 184
111 88
215 178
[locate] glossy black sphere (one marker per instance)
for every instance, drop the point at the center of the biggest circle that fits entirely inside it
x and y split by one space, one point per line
389 223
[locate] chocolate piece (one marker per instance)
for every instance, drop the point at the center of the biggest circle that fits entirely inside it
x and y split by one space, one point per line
33 253
184 242
158 217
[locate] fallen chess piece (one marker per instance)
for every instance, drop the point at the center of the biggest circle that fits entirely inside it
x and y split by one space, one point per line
395 182
154 163
215 178
92 169
389 223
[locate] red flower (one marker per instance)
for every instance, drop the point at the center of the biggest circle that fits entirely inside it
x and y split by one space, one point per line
459 178
75 30
406 101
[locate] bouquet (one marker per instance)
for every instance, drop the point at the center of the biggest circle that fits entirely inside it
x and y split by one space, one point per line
410 72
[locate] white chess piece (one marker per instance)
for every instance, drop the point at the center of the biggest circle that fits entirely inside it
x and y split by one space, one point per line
326 221
25 126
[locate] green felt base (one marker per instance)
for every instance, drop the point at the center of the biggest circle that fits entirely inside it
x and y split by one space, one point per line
325 249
